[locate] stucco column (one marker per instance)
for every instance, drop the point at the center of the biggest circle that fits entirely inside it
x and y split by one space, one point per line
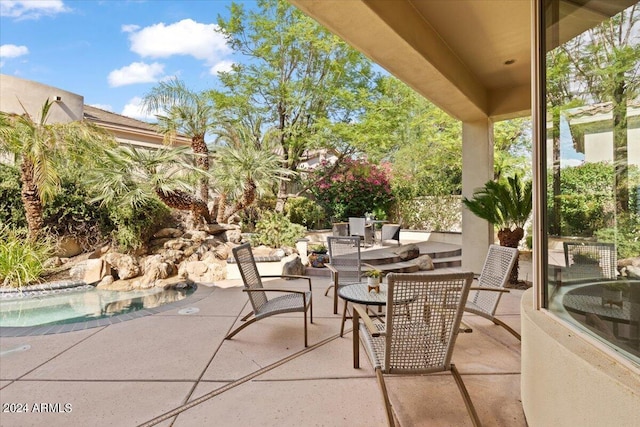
477 168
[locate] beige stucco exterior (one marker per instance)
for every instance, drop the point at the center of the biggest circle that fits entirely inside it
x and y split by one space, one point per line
457 55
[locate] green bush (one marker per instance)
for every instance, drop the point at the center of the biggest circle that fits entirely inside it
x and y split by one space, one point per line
626 236
275 230
304 211
133 227
21 259
11 208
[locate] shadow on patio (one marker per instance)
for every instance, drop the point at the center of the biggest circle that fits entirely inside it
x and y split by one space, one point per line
178 362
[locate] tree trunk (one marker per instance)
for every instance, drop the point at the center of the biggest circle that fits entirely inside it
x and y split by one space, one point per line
201 151
620 154
283 195
248 196
185 202
31 200
222 207
511 239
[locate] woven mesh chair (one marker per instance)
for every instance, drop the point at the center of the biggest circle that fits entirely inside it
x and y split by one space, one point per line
292 300
344 263
423 314
484 298
390 232
358 227
589 260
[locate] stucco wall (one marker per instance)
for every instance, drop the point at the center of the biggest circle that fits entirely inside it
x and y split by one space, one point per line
18 95
567 381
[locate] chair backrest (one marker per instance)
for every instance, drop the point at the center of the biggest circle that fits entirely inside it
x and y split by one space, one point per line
423 316
593 259
495 273
357 226
390 232
344 256
250 276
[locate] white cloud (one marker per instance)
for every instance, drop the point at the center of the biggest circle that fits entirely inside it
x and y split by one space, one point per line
12 51
130 28
135 110
222 66
105 107
136 72
186 37
31 9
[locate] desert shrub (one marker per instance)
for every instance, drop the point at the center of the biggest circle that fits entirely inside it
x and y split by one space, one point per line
275 230
11 208
304 211
21 259
71 214
134 226
356 188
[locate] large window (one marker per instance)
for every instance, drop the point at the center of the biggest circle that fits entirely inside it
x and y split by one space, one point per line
592 220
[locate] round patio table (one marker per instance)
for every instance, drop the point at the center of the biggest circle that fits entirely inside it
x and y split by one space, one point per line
358 293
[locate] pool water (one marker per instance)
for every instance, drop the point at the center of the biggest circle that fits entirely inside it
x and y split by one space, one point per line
82 304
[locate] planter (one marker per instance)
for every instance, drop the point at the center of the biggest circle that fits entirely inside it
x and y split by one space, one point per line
318 260
373 283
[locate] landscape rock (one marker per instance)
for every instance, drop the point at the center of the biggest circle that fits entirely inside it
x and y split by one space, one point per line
95 270
292 265
424 262
52 262
126 266
195 235
68 246
407 252
168 232
233 236
106 281
203 272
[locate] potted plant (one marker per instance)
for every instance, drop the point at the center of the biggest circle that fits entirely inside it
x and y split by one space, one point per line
318 248
612 293
318 256
373 279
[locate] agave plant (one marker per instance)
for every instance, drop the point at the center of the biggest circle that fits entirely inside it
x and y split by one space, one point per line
506 204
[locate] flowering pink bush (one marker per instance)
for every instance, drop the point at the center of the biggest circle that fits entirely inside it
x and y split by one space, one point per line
355 188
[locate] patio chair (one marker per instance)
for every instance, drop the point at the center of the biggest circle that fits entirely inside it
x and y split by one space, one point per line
484 298
345 264
390 232
589 260
292 300
358 227
423 314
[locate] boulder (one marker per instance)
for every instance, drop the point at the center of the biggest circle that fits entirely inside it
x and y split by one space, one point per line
203 272
52 262
67 247
167 232
424 262
95 270
106 281
233 236
292 265
177 244
125 265
195 235
407 252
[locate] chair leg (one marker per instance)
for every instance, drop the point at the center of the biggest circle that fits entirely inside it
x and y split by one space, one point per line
356 336
239 328
328 289
465 396
305 330
507 327
247 316
344 319
335 299
385 397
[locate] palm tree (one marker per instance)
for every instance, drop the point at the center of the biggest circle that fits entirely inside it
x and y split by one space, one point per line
41 149
246 167
186 112
506 204
130 177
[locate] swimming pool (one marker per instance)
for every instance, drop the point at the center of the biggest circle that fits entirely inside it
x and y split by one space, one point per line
83 305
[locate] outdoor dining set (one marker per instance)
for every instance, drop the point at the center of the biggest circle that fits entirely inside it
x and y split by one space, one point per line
408 325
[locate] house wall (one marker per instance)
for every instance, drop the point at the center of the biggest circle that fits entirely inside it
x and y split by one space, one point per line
568 380
598 147
18 95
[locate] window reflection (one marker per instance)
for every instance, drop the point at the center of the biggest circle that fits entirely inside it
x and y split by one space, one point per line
593 171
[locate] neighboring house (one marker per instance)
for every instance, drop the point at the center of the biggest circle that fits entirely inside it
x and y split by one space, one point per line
19 96
592 133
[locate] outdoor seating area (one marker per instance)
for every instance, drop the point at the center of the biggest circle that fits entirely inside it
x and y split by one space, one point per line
184 372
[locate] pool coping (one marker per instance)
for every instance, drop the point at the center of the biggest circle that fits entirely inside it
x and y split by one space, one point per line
201 292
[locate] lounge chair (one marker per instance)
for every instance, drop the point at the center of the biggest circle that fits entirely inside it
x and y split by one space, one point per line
292 300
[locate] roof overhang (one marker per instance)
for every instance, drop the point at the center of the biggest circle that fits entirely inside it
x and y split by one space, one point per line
472 58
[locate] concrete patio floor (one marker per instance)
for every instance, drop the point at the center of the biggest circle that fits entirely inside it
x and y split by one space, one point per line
133 372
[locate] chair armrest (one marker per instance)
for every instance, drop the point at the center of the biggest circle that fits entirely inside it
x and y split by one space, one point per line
290 291
485 288
288 276
367 321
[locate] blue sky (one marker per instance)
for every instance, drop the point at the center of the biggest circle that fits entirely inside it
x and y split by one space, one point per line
113 52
